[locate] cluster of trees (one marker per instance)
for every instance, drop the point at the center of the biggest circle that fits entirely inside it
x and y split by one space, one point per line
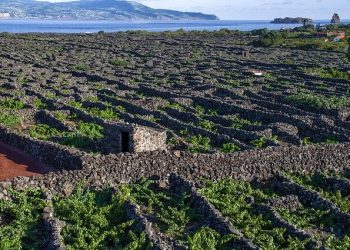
267 38
349 49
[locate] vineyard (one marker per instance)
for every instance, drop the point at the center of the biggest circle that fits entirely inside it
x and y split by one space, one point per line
173 140
288 212
71 90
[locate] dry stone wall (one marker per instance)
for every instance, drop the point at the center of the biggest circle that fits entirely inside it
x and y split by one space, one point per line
52 154
109 170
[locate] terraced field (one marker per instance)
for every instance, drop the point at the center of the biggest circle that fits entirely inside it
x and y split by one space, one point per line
196 86
283 213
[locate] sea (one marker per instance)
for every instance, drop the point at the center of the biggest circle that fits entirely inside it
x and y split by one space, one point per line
50 26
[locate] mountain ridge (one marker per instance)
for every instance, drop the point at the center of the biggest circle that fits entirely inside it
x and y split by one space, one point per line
94 10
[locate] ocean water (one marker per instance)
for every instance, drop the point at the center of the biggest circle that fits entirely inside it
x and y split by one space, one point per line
49 26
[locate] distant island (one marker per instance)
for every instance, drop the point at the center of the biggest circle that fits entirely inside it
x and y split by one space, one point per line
292 20
92 10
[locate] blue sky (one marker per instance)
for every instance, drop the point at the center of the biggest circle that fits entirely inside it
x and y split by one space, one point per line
257 9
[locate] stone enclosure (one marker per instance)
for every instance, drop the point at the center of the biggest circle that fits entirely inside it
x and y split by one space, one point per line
143 104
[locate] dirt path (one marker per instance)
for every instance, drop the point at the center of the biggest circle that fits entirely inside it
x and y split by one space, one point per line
14 162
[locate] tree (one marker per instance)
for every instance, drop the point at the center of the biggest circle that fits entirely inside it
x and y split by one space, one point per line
349 49
270 39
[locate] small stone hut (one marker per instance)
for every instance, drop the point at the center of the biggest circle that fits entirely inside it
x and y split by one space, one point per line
135 139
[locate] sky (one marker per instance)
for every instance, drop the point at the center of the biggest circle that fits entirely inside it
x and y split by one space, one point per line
256 9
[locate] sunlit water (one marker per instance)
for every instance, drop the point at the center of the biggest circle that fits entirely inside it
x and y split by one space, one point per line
48 26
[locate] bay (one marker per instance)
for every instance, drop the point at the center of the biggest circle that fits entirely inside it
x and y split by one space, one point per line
50 26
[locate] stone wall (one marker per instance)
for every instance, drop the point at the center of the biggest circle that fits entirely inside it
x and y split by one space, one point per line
102 170
146 139
54 155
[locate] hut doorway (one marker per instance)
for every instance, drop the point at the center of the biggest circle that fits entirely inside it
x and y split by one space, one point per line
125 142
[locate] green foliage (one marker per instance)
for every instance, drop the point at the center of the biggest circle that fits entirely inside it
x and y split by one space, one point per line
80 138
175 106
120 108
43 132
199 144
11 104
119 62
348 54
231 198
95 221
151 118
307 218
207 238
319 101
212 112
229 148
50 95
269 39
260 32
76 141
261 142
334 243
240 123
306 141
21 79
199 110
329 72
82 67
24 220
83 136
92 98
90 130
9 121
174 215
107 114
40 104
314 43
60 115
315 183
208 125
75 104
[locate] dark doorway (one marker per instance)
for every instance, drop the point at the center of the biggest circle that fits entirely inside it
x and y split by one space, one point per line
125 138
